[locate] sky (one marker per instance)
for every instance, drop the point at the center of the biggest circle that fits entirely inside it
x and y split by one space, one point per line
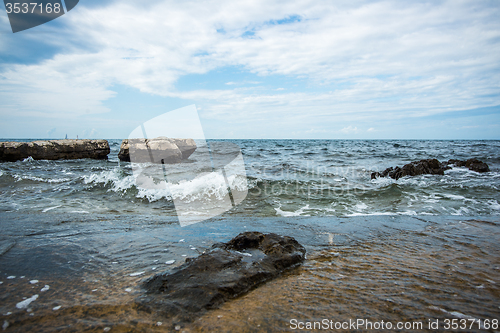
257 69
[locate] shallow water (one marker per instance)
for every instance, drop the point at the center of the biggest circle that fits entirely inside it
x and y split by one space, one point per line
391 268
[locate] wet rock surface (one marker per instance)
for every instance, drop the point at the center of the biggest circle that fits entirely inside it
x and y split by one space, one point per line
430 167
226 271
157 150
472 164
54 150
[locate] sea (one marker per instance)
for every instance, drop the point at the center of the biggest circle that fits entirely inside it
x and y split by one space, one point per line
78 237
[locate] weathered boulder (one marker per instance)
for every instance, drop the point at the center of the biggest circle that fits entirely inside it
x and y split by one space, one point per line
226 271
54 150
472 164
430 167
157 150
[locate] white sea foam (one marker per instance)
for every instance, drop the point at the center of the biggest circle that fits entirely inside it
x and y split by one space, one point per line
55 308
298 212
34 281
28 159
137 273
24 304
112 177
493 204
169 262
206 185
50 208
452 196
45 288
39 179
360 206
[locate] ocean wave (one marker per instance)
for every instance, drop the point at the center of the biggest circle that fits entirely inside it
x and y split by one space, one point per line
19 178
115 178
210 185
298 212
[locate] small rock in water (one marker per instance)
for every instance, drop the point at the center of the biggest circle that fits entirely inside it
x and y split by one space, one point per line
55 308
45 288
107 329
128 290
34 281
431 167
11 277
170 262
5 325
137 273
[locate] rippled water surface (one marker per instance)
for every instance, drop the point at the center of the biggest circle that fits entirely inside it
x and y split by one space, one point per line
78 238
284 177
396 269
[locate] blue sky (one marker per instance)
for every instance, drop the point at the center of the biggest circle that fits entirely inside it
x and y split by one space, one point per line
257 69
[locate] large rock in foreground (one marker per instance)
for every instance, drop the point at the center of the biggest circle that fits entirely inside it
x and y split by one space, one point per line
430 167
226 271
54 150
157 150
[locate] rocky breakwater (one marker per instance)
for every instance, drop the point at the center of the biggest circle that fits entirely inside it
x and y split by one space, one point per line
431 167
226 271
54 150
157 150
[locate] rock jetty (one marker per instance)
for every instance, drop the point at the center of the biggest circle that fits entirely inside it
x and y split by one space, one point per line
430 167
54 150
226 271
157 150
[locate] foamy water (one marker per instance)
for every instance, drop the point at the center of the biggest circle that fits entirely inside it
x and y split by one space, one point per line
284 178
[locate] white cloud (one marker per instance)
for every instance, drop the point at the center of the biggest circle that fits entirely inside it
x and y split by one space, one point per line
349 129
380 59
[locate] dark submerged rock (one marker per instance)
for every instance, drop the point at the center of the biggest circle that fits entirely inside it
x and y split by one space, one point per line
226 271
54 150
430 167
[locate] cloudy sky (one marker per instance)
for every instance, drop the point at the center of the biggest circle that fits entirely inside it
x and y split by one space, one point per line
257 69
